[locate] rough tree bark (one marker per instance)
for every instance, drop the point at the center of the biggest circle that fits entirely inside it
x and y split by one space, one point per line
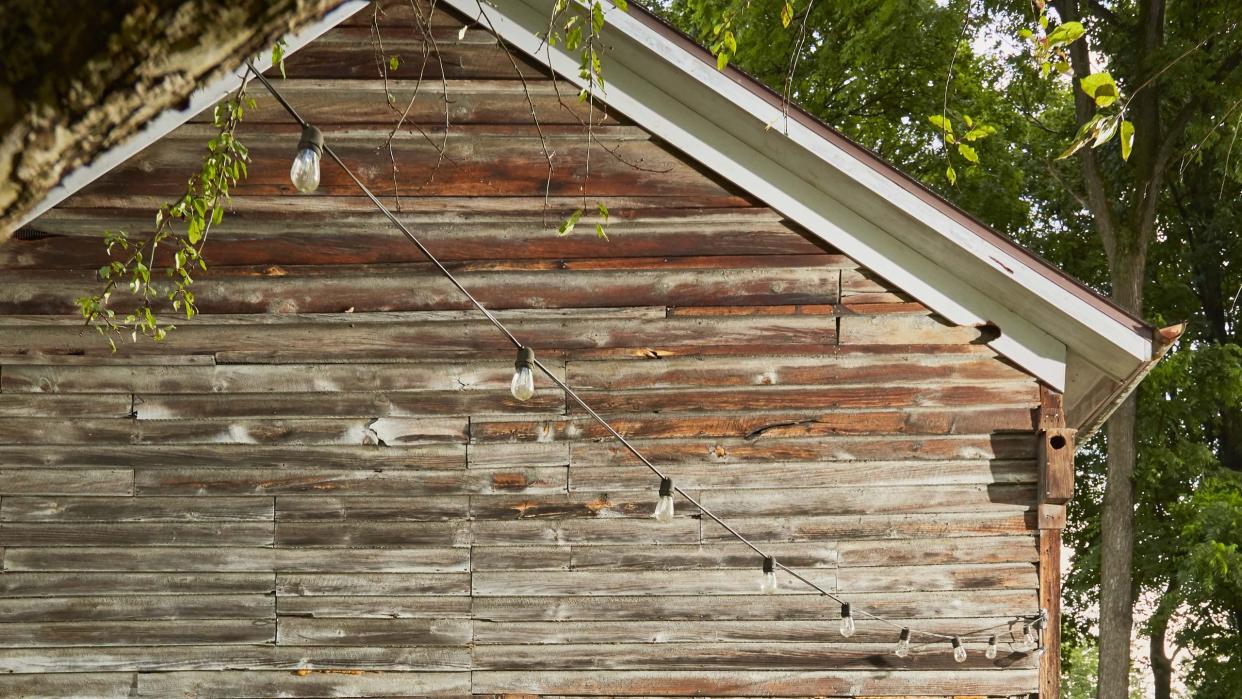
81 76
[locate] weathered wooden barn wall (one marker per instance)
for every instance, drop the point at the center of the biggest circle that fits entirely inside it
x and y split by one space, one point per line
321 487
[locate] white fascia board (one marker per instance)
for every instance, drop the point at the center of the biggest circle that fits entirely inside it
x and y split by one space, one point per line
637 65
171 118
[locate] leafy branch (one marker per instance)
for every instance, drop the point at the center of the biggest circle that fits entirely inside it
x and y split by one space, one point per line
182 226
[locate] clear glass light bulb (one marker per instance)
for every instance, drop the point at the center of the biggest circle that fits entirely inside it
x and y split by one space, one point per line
959 651
665 505
305 170
847 621
768 585
903 644
990 653
523 386
1028 638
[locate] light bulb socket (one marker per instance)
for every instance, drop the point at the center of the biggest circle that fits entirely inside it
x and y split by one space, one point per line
769 564
312 138
957 643
525 358
991 640
666 487
905 635
845 610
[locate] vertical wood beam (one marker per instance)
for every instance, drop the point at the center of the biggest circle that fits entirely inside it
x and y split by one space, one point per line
1056 482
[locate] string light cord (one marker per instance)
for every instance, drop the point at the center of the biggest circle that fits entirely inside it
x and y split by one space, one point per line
572 394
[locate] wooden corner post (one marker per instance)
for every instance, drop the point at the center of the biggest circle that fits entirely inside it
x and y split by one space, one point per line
1056 485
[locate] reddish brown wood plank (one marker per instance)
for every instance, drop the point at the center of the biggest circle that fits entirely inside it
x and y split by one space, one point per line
759 424
396 288
496 160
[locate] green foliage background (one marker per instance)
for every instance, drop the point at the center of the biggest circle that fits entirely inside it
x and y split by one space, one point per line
878 69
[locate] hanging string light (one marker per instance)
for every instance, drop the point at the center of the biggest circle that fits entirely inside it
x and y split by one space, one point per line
990 653
305 169
305 176
1028 638
959 651
847 620
903 644
768 584
523 385
664 506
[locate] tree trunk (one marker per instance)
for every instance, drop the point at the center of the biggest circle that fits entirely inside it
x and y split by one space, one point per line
1161 663
1117 518
87 75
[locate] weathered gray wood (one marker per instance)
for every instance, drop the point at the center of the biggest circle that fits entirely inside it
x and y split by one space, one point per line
756 424
664 634
374 632
423 559
882 448
34 481
665 557
384 288
317 683
736 473
135 534
131 509
472 375
371 607
420 340
138 633
824 370
17 584
69 685
706 607
216 658
135 608
372 584
1000 549
588 505
340 404
810 398
683 530
245 481
77 406
386 431
752 683
390 534
788 656
430 456
320 508
887 500
941 522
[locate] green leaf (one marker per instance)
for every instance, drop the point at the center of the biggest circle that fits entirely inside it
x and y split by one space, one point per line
599 232
968 153
722 61
1127 138
981 131
941 123
730 42
1105 130
1101 87
567 226
622 5
394 62
603 211
950 173
786 14
597 17
278 56
1025 33
1066 33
